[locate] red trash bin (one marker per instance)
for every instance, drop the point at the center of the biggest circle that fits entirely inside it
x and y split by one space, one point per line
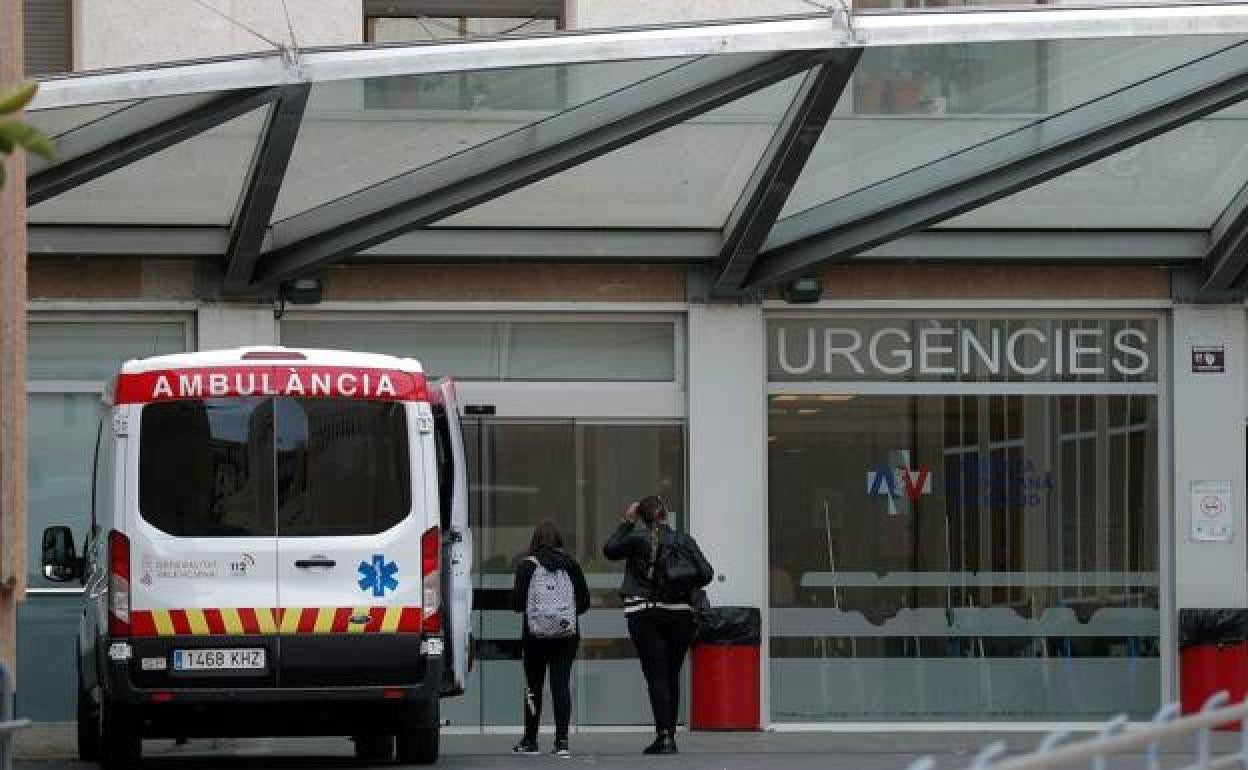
725 688
1213 657
1207 669
726 671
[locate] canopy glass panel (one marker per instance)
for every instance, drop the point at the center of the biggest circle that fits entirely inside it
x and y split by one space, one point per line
357 133
195 182
689 175
1182 179
55 122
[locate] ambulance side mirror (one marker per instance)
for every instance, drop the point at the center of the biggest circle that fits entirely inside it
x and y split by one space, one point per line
60 560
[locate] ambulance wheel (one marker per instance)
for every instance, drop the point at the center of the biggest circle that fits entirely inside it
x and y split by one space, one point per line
88 727
121 747
419 730
374 748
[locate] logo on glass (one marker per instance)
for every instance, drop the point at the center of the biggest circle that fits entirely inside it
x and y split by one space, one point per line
899 481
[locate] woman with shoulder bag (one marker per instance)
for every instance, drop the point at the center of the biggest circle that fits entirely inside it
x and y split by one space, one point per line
551 591
663 569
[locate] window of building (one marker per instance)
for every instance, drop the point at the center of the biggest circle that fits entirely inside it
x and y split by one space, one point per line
413 21
948 554
48 41
69 360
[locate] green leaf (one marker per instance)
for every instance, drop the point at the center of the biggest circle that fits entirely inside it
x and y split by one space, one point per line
1 176
6 145
29 137
17 98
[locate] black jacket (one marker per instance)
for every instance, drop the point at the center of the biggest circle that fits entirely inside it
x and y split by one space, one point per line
631 542
552 559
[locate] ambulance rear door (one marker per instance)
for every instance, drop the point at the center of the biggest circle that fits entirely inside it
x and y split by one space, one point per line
202 550
355 540
457 548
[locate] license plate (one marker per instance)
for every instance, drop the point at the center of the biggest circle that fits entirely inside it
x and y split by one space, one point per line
242 658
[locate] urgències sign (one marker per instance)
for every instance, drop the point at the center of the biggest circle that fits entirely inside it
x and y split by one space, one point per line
996 350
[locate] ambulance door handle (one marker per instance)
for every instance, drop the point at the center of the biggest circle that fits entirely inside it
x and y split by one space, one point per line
309 563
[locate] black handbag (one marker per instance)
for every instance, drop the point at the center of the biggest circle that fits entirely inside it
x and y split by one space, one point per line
679 570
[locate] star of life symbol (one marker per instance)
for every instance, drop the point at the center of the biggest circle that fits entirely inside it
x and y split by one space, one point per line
899 482
379 575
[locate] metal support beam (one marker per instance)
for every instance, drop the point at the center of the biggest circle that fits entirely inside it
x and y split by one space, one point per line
264 183
1002 166
1228 250
127 149
438 190
769 186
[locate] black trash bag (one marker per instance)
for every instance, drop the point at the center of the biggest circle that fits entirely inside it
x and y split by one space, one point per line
1215 626
733 626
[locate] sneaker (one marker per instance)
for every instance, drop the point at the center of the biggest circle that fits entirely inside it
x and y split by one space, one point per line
525 747
561 749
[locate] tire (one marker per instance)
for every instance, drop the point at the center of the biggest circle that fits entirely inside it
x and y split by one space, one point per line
374 748
88 721
121 746
419 732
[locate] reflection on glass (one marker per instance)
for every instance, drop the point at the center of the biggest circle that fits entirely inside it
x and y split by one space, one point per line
94 351
60 451
581 476
963 557
508 350
909 106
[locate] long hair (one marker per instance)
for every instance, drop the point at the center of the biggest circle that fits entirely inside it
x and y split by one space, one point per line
653 512
545 535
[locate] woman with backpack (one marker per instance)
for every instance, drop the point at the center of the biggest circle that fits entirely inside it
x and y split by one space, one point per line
551 591
664 569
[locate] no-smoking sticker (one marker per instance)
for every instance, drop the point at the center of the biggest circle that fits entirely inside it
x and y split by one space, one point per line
1212 519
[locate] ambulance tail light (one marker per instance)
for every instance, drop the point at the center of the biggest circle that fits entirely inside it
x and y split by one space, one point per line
431 579
118 584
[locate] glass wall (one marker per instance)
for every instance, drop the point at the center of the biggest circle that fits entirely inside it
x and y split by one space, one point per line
965 555
68 363
581 475
577 469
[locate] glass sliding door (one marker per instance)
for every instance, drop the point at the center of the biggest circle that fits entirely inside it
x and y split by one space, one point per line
580 474
964 556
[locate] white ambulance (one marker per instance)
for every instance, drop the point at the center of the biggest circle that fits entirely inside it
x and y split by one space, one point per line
279 545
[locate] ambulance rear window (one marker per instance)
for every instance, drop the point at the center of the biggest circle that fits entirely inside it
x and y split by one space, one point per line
342 467
206 467
256 467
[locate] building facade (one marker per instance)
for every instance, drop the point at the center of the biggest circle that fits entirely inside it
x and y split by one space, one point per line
961 475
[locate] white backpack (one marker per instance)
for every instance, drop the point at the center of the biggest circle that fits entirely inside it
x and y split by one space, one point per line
551 604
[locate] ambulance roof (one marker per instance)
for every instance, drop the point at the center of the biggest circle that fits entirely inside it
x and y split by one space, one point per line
271 355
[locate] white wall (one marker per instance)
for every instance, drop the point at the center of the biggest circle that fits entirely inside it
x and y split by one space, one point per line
118 33
232 326
1209 412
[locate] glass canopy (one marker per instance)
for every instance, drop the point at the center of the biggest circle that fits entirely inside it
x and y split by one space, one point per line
831 152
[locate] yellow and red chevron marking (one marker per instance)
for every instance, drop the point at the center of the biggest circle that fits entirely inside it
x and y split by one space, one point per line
235 621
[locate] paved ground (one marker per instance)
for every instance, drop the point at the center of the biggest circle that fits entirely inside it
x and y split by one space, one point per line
700 751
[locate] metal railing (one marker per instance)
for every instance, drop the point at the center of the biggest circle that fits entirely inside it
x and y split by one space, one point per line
9 724
1117 737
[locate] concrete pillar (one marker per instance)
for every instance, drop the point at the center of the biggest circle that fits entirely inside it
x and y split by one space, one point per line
727 453
1209 412
232 326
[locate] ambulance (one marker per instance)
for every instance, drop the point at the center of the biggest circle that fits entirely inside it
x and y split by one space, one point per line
278 545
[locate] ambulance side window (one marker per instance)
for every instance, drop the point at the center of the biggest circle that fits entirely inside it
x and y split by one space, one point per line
102 482
446 463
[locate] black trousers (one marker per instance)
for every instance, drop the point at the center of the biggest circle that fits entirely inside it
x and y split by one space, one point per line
662 638
557 655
